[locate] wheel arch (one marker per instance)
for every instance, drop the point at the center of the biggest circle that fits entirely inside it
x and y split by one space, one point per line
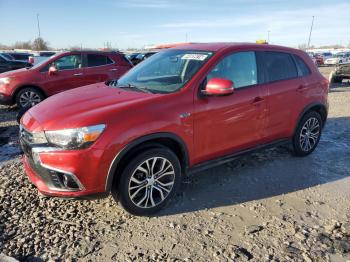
164 139
319 108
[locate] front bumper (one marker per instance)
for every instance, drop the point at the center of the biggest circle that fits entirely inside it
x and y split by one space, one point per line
5 99
56 172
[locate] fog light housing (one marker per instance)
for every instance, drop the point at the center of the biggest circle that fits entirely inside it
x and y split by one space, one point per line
63 180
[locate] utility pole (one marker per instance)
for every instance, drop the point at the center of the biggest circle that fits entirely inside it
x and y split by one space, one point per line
312 24
37 19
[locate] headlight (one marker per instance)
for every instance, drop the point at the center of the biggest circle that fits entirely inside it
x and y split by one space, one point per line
4 80
75 138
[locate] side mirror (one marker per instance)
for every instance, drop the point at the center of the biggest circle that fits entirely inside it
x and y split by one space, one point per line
218 87
31 60
52 70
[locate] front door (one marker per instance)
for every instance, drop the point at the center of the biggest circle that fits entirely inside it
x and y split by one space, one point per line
69 74
227 124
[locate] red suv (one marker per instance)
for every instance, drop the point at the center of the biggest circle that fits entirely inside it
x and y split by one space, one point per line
29 86
181 110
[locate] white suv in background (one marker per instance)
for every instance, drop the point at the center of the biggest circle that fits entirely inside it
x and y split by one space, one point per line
338 59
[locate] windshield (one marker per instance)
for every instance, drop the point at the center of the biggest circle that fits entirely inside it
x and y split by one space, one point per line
42 61
165 72
8 57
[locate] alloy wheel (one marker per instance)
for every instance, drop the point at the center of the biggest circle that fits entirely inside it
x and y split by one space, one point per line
309 134
29 99
151 182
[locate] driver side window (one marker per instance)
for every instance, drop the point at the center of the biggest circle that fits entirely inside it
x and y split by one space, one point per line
239 67
68 62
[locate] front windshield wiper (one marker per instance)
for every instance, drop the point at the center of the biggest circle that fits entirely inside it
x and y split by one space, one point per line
130 86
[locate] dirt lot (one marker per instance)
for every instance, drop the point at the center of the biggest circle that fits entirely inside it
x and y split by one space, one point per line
269 206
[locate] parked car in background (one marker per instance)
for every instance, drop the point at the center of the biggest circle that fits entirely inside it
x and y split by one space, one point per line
326 55
132 57
64 71
20 56
7 56
319 59
181 110
8 64
337 58
342 71
142 56
312 56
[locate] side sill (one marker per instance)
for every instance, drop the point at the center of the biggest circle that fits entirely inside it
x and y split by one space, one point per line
228 158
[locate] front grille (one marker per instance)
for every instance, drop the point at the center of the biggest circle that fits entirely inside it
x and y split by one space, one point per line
25 135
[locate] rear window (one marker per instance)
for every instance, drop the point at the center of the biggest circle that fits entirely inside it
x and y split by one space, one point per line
303 69
279 66
98 60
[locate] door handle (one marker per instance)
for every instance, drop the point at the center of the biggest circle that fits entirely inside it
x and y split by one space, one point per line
78 74
301 88
257 100
113 69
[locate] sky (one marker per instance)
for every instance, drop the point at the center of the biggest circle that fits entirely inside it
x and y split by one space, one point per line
136 23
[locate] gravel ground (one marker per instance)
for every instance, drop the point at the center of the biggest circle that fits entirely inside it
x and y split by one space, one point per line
269 206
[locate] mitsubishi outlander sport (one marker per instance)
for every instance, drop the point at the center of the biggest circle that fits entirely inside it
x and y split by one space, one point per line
181 110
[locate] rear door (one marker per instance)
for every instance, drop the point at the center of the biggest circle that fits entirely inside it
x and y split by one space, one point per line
99 68
282 86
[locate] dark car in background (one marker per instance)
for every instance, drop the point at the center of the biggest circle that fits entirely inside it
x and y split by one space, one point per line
142 56
20 56
8 64
342 71
29 86
132 56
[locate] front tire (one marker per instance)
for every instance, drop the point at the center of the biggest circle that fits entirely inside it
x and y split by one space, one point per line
28 97
307 134
148 181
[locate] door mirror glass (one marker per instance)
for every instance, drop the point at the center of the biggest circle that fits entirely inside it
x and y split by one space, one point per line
52 70
218 87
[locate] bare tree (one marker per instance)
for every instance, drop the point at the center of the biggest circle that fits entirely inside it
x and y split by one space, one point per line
22 45
40 44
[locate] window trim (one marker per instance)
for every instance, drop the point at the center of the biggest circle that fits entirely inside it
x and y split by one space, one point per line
266 74
85 61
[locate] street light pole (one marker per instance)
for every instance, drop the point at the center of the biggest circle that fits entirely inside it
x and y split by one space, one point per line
312 24
37 19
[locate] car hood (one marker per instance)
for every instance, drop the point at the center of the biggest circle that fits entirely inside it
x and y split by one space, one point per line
84 106
14 73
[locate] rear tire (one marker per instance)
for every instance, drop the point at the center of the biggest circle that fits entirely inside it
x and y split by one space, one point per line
28 97
148 181
307 134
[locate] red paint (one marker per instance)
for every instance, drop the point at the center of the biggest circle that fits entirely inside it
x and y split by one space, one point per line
214 127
